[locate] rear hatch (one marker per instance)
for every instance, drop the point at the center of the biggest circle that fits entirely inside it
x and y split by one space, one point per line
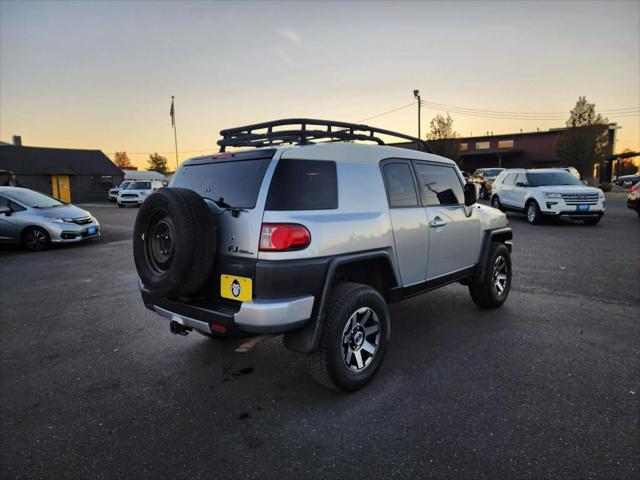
230 183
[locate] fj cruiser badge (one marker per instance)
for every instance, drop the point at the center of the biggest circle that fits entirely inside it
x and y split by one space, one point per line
235 288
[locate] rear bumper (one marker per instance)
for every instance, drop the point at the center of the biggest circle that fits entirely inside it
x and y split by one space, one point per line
228 318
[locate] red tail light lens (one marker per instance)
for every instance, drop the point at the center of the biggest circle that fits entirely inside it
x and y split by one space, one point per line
283 236
635 187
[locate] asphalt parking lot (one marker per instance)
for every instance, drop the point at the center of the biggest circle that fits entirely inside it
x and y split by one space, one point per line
94 386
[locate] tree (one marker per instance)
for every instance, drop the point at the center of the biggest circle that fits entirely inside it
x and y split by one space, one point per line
121 159
443 139
157 163
585 141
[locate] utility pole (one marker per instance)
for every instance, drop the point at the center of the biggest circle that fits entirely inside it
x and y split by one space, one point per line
416 94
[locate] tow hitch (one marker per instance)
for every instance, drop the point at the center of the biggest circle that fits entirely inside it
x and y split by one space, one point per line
178 329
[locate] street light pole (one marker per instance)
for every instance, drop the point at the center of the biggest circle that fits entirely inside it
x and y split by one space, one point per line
416 94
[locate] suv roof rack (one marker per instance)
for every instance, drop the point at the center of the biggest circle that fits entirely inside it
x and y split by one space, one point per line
301 135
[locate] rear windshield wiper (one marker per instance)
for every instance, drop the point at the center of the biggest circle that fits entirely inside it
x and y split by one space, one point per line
235 211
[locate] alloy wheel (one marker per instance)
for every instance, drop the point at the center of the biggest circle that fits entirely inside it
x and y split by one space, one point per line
531 213
499 275
360 339
35 239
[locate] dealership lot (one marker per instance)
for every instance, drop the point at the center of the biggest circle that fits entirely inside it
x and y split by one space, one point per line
94 386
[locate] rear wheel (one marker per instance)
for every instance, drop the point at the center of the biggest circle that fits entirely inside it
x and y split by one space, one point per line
493 289
353 340
35 239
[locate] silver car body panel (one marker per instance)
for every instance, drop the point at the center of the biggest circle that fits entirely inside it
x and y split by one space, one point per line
363 220
12 226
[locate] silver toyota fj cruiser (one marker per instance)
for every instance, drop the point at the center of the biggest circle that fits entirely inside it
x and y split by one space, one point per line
310 233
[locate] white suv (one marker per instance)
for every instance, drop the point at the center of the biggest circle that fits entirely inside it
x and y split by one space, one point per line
137 192
550 192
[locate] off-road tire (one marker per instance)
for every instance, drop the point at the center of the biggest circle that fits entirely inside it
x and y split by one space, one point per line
484 293
327 365
180 264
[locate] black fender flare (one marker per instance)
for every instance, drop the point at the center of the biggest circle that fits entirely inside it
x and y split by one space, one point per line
501 235
307 338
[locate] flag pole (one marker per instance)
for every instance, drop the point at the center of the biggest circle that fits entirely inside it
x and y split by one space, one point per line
175 133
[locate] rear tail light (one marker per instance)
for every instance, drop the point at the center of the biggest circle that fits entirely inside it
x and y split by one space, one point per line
281 237
635 187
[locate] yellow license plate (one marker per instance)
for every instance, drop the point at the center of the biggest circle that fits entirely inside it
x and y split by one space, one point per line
236 288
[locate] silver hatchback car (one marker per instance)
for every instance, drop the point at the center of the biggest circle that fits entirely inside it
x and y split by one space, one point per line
36 220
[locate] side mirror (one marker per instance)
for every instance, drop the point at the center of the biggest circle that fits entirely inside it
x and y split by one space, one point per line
521 184
6 211
470 194
585 182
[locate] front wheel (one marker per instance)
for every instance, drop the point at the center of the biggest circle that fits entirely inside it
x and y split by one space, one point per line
533 213
492 290
495 202
120 205
35 239
353 340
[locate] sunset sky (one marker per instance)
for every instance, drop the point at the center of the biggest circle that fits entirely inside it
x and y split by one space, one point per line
101 75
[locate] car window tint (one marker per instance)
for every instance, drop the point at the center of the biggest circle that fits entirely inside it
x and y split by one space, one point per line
303 185
439 185
237 181
521 178
400 187
4 202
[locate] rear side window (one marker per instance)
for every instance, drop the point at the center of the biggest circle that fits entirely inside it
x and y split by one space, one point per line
400 186
303 185
439 185
237 182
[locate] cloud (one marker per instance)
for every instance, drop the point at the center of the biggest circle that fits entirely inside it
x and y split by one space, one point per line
289 35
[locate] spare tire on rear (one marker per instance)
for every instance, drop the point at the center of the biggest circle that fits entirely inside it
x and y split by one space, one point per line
174 242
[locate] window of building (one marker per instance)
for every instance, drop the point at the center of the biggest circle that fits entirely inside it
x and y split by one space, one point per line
464 146
505 143
439 185
400 186
483 145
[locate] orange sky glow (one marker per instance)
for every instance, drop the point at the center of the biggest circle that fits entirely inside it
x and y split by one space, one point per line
101 75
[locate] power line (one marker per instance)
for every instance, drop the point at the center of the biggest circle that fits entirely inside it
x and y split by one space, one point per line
387 112
504 116
506 112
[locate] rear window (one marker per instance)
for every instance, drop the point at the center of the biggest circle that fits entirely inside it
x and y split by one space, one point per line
237 182
303 185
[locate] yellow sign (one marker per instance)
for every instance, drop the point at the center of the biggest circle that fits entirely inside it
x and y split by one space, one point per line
236 288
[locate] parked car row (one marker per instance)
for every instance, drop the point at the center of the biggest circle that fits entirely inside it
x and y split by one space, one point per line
627 181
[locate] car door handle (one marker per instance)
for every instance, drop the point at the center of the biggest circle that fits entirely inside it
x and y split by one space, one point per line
437 222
